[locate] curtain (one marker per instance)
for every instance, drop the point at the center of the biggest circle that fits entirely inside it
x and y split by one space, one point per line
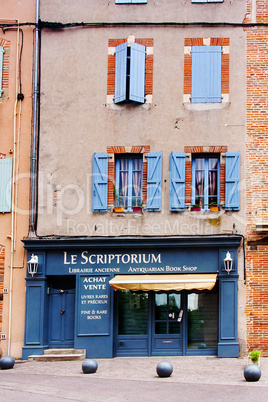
137 165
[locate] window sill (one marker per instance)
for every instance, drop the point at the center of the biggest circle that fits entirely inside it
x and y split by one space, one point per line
205 106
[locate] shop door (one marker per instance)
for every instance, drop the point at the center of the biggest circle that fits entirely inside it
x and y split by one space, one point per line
166 324
148 324
61 318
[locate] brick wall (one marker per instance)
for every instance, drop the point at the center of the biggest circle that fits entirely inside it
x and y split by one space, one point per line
257 181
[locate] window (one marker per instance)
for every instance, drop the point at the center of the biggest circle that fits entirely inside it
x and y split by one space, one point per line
130 178
206 74
206 71
130 1
1 69
205 181
5 184
129 73
128 191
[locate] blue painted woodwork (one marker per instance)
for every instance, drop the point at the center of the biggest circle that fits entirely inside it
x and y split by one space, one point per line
137 73
177 181
206 74
61 318
154 181
228 341
5 184
100 182
232 181
85 258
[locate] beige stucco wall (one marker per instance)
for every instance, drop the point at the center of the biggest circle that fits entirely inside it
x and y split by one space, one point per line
15 138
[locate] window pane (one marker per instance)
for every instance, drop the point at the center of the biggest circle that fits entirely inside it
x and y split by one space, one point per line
160 328
136 182
202 320
133 313
160 306
199 181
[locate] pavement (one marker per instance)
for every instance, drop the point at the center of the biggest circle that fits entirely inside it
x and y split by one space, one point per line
203 378
199 369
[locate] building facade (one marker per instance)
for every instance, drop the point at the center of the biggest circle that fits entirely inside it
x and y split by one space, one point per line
257 188
141 206
16 44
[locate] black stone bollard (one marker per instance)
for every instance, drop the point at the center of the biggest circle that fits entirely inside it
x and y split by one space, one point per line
164 369
89 366
252 372
7 362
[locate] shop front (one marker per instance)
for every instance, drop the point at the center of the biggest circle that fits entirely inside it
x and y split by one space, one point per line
133 296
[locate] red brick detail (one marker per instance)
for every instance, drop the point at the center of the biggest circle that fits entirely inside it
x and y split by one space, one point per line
188 63
2 267
138 149
148 65
2 156
6 45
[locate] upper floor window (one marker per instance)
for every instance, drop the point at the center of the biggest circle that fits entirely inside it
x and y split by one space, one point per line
206 70
130 1
206 182
129 73
128 189
5 184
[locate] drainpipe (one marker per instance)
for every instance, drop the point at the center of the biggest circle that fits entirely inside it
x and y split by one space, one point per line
33 178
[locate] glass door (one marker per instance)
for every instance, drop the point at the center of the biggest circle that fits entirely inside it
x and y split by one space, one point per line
166 325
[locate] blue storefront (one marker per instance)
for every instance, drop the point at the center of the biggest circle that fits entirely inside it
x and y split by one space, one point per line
133 296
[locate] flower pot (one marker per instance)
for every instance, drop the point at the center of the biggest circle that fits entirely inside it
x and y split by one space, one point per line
136 209
196 209
118 209
214 208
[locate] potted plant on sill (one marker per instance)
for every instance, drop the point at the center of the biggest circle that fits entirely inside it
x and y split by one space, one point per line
137 206
118 205
213 206
254 357
196 207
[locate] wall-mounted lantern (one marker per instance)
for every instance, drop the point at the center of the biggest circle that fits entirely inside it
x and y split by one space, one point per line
228 262
32 265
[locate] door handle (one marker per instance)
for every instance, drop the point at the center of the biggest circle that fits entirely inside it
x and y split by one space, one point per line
180 316
62 311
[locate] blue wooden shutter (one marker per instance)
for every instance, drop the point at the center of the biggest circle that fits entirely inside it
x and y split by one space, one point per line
2 51
232 181
137 72
154 181
100 182
5 184
120 73
206 74
177 181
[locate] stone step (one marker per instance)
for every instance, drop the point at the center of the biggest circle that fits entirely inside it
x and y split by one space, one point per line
51 355
62 351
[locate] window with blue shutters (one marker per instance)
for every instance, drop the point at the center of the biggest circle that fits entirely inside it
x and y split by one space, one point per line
206 74
177 181
5 184
130 73
205 181
100 182
232 181
154 181
1 69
